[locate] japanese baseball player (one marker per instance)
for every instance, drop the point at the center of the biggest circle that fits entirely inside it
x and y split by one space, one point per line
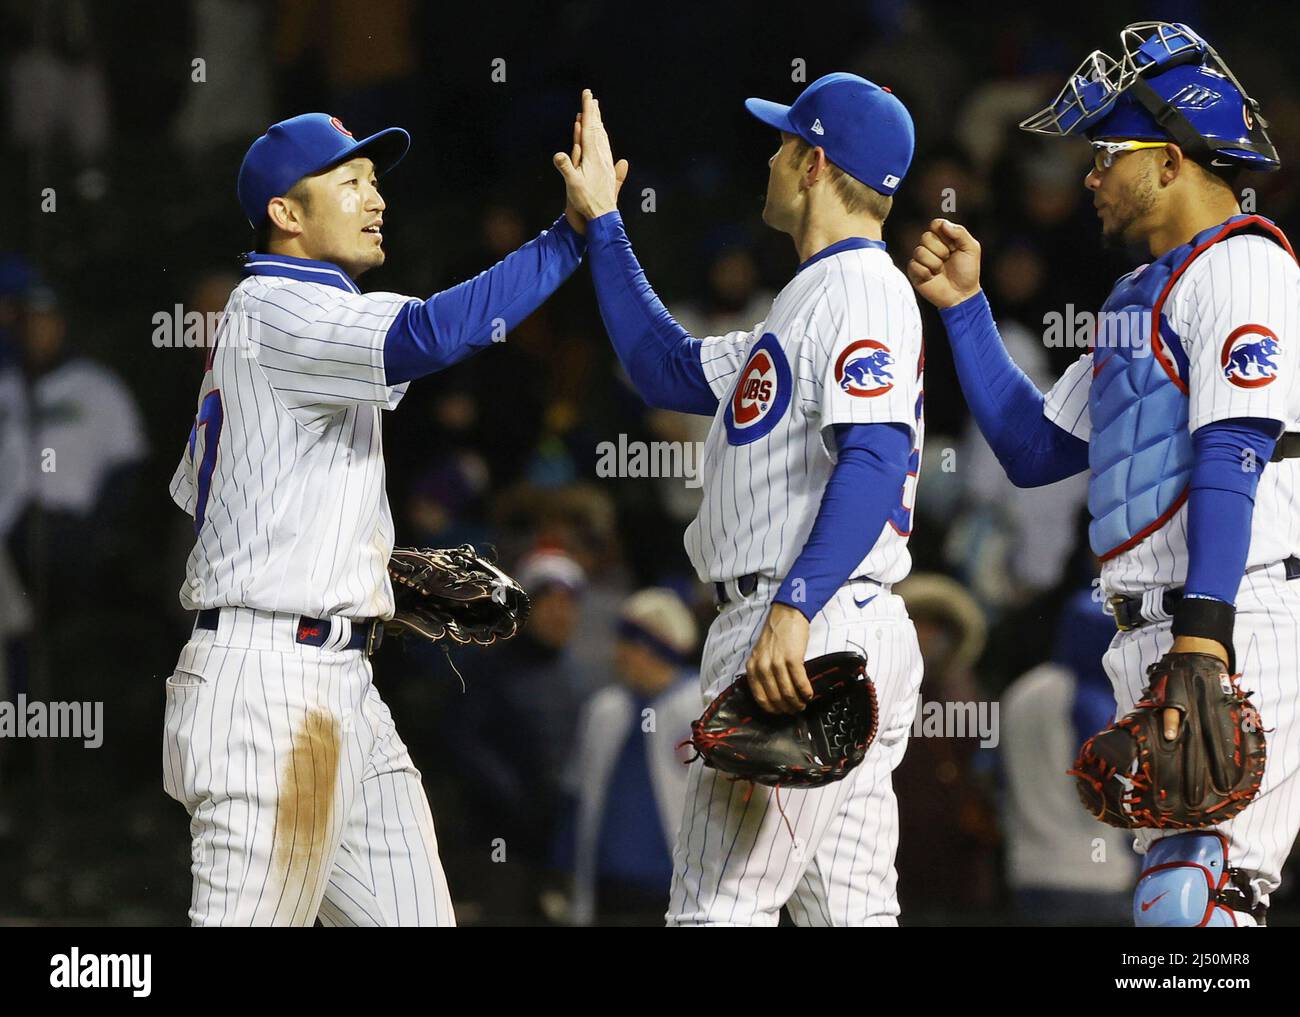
1183 411
809 472
304 802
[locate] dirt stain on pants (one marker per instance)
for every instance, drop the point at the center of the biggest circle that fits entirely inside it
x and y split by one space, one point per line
306 804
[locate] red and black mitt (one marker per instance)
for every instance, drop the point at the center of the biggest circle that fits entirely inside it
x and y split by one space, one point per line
1130 776
812 748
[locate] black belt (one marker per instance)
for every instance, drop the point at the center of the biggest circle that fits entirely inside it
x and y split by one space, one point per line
746 584
1287 447
1128 610
367 633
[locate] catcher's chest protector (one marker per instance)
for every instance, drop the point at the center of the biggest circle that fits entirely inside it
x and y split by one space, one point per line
1140 452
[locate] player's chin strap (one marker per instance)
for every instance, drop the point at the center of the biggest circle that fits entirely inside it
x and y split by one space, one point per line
1186 882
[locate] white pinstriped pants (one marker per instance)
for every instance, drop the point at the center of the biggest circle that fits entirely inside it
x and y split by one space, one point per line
1267 641
737 862
304 802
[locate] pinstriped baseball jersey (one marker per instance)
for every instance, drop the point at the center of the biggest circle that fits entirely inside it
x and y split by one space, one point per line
283 472
1237 312
842 345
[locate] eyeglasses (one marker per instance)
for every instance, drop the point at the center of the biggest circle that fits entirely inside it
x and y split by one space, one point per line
1105 152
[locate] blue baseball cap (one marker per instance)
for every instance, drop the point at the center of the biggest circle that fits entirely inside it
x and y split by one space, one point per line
863 128
303 145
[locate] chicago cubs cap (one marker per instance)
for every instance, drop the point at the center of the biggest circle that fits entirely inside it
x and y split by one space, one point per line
864 129
303 145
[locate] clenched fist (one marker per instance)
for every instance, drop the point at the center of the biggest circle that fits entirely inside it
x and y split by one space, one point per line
945 268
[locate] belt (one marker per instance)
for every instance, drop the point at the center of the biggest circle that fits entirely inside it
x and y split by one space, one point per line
1144 608
367 633
745 587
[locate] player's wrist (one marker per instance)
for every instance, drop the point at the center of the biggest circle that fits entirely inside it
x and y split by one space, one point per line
962 302
1204 621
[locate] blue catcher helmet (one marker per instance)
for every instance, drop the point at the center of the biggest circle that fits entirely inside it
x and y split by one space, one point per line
1169 84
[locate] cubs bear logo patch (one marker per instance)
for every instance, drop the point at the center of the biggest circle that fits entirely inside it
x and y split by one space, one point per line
1249 357
762 393
865 368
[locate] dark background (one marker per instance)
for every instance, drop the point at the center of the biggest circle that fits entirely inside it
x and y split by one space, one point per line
142 160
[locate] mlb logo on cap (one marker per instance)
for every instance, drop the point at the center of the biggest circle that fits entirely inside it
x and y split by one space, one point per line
863 128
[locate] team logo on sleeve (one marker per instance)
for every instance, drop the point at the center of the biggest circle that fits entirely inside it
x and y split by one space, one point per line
1249 358
762 393
865 368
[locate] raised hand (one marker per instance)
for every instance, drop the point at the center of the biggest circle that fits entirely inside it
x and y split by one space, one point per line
592 179
945 268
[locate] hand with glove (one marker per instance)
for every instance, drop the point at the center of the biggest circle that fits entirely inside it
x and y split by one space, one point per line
1190 755
453 593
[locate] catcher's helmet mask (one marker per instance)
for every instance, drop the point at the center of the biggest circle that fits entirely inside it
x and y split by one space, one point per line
1167 84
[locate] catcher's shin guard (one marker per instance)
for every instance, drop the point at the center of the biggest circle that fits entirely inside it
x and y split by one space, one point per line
1186 882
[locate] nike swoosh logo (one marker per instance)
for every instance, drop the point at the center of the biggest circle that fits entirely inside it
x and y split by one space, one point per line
1148 904
864 603
1219 162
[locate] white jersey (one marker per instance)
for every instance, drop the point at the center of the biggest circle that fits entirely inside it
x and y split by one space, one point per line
284 470
841 345
1241 289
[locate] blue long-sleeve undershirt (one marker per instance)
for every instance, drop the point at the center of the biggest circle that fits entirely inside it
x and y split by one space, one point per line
1229 456
1006 405
430 335
660 357
864 488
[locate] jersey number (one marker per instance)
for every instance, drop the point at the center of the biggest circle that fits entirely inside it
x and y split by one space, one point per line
901 518
210 418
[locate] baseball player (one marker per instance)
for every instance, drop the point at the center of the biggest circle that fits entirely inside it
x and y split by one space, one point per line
1182 413
809 472
304 802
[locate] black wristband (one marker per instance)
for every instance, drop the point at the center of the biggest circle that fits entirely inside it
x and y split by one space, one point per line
1205 618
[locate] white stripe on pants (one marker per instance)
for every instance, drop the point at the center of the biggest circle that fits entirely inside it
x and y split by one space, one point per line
737 862
303 800
1267 641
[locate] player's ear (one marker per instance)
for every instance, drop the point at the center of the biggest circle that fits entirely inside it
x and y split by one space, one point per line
816 168
283 213
1171 164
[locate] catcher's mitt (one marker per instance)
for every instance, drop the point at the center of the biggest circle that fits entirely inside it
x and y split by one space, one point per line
453 593
808 749
1130 776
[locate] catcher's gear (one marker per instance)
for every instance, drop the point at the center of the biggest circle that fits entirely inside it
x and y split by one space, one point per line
809 749
1186 881
1130 776
454 593
1168 85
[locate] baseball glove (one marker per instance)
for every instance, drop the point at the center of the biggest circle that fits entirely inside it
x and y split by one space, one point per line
809 749
1130 776
453 593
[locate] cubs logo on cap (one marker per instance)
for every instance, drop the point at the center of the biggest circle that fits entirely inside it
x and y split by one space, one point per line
1249 356
761 395
865 368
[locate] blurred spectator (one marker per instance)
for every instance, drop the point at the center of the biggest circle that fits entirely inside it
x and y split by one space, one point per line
1064 867
87 443
1010 544
627 781
948 836
512 733
233 101
445 506
58 93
